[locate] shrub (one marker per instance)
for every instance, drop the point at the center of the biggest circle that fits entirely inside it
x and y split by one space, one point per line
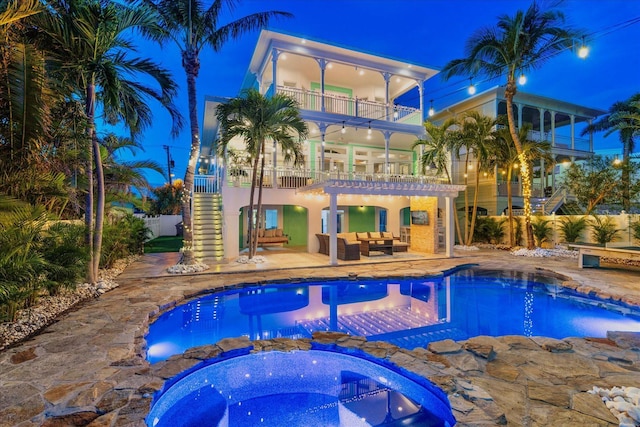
489 230
66 255
123 237
603 229
517 228
572 227
542 229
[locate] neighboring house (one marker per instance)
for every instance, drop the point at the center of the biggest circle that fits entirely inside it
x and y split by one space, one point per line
552 120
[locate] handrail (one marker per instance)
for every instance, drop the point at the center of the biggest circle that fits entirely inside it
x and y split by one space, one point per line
312 100
296 178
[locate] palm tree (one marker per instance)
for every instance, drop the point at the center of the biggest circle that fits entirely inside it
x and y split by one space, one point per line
478 134
517 44
257 119
436 152
623 117
91 48
192 26
19 9
508 158
122 177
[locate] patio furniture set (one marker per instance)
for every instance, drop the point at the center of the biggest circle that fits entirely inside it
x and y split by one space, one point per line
352 245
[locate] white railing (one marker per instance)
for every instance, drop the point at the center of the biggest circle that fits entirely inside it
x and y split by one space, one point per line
312 100
206 184
296 178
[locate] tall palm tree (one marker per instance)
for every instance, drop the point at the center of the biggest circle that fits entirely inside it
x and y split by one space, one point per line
258 119
436 149
192 26
19 9
507 157
478 134
623 117
89 39
517 44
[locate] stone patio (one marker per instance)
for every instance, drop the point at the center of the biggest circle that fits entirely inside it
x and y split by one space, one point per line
89 367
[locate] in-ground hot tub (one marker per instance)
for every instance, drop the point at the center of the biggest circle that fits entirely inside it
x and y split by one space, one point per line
300 388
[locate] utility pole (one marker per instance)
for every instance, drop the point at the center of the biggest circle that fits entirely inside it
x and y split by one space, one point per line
169 161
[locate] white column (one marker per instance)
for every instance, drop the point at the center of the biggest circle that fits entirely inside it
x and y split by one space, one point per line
541 110
274 160
387 138
323 67
274 64
590 136
333 229
421 94
387 78
519 115
231 232
553 128
449 226
573 131
323 129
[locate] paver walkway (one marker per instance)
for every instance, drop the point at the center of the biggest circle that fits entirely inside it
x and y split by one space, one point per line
89 367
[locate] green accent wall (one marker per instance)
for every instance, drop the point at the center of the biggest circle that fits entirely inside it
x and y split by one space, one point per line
346 91
362 219
406 217
294 220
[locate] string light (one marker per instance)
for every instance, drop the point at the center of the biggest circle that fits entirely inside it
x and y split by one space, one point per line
522 79
431 110
472 87
343 130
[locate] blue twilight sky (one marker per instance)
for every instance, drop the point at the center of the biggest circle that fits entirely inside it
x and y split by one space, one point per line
426 32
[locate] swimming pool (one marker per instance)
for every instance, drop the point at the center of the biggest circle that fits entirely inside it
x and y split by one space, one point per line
300 389
407 312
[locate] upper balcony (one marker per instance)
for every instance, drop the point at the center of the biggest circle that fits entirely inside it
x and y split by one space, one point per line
352 106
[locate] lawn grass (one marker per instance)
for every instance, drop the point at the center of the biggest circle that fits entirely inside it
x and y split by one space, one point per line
163 244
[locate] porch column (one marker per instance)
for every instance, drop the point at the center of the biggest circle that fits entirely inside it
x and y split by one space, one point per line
541 110
231 231
323 129
274 160
590 136
449 236
333 229
573 131
387 78
274 64
387 137
519 115
323 66
553 128
421 94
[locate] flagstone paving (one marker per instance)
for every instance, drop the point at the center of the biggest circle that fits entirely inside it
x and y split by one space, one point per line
89 368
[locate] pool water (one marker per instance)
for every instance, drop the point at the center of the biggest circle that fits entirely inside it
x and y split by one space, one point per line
300 389
409 312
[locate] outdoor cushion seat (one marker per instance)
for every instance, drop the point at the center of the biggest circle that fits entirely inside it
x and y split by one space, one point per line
348 251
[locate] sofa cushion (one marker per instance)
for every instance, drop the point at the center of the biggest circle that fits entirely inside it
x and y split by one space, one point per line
261 233
270 233
374 234
387 234
351 237
279 232
364 235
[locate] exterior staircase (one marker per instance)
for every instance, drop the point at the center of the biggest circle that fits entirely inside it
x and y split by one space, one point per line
562 199
207 226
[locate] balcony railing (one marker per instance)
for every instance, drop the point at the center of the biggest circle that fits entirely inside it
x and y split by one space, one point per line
296 178
312 100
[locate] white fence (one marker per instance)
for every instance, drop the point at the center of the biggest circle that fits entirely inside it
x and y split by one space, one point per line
622 221
162 225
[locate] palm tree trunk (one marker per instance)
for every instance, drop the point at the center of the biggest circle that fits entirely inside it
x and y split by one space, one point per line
260 184
456 220
510 205
474 212
97 235
466 202
253 231
88 215
192 66
509 93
